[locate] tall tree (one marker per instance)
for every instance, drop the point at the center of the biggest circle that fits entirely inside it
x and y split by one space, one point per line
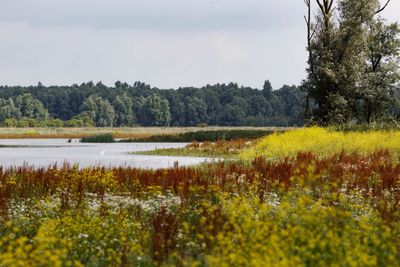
8 110
123 107
99 110
340 83
382 70
155 111
30 107
195 111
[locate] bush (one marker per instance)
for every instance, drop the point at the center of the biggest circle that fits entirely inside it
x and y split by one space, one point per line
203 136
101 138
73 123
54 123
10 123
351 127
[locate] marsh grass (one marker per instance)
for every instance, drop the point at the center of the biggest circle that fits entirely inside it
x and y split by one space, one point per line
219 149
120 133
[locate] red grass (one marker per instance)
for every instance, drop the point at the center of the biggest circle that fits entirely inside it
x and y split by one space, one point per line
373 174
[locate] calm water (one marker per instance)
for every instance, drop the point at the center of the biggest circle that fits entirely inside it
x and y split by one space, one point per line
45 152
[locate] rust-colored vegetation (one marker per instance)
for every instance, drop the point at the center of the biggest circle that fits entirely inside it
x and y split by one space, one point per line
204 214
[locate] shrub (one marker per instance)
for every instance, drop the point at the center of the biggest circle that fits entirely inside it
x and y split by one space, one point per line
100 138
203 136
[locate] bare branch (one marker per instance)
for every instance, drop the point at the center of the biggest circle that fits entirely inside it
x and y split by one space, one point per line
320 6
330 6
314 30
383 8
310 33
326 7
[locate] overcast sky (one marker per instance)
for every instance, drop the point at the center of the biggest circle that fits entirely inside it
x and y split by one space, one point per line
165 43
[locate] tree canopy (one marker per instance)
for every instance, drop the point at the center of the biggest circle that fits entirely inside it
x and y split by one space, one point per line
94 104
353 65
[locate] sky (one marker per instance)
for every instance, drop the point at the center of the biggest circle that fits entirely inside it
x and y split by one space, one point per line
164 43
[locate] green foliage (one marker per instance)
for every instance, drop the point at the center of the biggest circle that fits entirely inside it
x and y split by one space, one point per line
123 107
101 138
8 110
354 127
25 108
155 111
30 107
195 111
220 104
383 70
99 110
202 136
232 115
353 63
9 123
28 122
81 120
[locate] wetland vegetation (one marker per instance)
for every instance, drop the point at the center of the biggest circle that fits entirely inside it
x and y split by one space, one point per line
327 204
324 195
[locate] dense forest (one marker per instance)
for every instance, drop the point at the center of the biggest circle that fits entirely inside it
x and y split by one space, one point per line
91 104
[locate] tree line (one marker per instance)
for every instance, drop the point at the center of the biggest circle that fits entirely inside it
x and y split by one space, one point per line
91 104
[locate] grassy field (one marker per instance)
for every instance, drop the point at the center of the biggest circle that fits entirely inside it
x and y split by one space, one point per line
309 197
128 133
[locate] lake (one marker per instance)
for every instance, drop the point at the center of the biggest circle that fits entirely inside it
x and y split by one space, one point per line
45 152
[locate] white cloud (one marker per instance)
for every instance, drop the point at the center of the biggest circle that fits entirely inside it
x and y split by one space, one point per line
152 14
166 43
